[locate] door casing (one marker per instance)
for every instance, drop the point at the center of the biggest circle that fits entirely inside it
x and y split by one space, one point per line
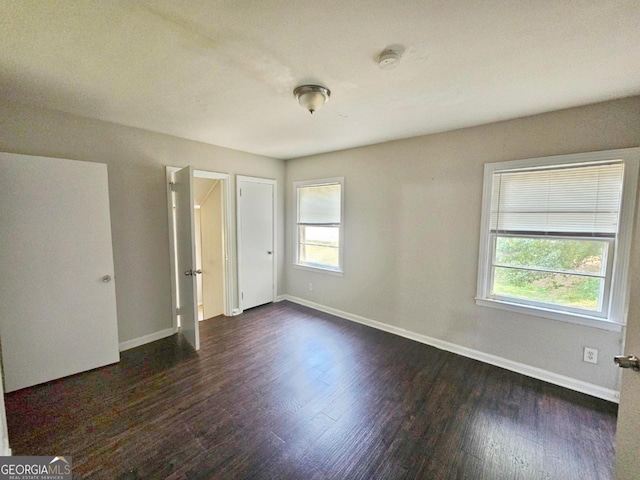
229 294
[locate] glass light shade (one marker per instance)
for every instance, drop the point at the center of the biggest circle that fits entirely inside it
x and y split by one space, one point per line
311 97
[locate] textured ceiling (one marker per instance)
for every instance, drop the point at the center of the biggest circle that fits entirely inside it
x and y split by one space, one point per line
223 72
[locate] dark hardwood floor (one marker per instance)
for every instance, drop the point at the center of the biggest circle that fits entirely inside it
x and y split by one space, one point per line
286 392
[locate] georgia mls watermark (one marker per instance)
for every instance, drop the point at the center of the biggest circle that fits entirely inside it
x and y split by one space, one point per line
35 468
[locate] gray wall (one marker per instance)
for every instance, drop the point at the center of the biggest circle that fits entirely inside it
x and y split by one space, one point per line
412 223
135 161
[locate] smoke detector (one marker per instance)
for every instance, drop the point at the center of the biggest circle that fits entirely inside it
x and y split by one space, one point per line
388 59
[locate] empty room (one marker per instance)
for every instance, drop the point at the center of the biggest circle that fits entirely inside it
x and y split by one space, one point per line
309 240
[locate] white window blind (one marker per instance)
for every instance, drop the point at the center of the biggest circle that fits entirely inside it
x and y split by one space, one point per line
576 200
319 204
319 224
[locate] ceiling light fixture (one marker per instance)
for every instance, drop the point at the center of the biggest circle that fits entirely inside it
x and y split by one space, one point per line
311 97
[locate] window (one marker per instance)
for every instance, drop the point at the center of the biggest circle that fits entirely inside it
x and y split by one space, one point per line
318 224
556 236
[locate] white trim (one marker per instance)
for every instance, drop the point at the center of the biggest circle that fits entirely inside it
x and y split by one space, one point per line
619 291
620 288
536 311
151 337
197 173
309 268
274 183
314 182
585 157
172 246
528 370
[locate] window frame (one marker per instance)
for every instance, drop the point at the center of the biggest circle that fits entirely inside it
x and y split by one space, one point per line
614 315
296 225
609 257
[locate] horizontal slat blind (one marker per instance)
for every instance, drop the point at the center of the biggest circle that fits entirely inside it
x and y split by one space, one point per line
319 204
571 200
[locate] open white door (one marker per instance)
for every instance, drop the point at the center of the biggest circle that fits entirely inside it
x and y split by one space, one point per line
628 431
186 255
5 450
256 256
57 293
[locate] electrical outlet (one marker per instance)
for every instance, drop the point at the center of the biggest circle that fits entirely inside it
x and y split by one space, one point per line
311 287
590 355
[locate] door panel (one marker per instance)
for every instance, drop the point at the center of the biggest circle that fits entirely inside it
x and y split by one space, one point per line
57 289
186 256
5 450
256 231
628 431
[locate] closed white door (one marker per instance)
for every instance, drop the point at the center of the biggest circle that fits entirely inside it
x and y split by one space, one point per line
256 255
186 255
57 287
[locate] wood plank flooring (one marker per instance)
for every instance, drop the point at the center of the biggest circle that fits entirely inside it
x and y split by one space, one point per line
285 392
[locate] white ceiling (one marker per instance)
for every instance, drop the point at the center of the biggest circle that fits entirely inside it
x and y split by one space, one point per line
223 72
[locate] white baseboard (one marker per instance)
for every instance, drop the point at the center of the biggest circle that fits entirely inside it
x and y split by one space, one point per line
280 298
152 337
528 370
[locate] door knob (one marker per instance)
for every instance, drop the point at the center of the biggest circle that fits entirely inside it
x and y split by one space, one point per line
630 361
188 273
106 278
269 252
198 272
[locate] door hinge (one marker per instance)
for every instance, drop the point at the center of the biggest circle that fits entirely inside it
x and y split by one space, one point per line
242 295
178 311
172 186
240 192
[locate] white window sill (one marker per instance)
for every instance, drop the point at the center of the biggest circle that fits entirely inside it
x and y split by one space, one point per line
335 273
574 318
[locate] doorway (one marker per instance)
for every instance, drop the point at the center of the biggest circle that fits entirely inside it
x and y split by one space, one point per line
211 239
